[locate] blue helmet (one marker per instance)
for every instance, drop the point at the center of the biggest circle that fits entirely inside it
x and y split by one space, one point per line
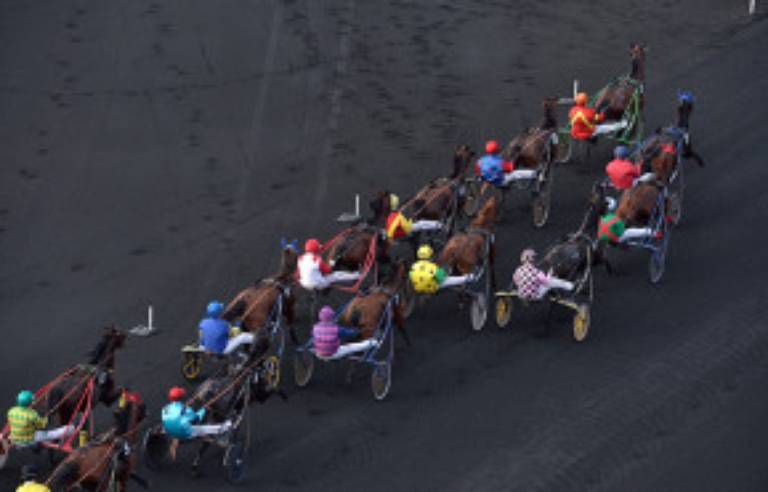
214 309
621 152
685 97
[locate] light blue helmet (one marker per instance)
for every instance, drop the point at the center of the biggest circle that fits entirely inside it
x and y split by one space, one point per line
214 309
621 152
25 398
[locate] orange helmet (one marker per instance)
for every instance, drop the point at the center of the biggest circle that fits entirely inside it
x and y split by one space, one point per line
581 99
177 393
492 147
312 246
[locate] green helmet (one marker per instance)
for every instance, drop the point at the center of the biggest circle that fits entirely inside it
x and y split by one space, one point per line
25 398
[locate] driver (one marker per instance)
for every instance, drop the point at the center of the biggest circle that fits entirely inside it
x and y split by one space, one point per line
217 336
315 273
398 226
26 425
427 277
492 167
533 284
179 419
583 119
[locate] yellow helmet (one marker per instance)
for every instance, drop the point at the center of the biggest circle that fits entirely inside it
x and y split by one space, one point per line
424 252
394 201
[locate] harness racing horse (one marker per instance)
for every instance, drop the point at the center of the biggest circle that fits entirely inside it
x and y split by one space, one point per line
224 396
253 306
533 147
659 152
440 198
107 462
466 251
365 311
614 100
350 251
63 398
570 257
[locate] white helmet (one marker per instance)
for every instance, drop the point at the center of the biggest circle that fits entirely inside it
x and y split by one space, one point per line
528 255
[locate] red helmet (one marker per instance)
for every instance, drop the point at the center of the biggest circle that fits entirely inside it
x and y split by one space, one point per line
492 147
312 246
177 393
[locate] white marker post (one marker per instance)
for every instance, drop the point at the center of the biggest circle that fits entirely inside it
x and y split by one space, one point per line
351 217
149 328
752 6
575 88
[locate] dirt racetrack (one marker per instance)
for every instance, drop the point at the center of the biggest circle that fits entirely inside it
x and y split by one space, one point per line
158 151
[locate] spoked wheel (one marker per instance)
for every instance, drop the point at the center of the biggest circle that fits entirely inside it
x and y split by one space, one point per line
234 462
407 301
381 379
191 365
504 307
478 311
563 148
543 197
272 372
156 447
581 323
303 367
5 451
657 261
471 198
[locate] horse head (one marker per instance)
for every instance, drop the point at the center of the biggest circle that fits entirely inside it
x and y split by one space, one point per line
112 339
598 206
462 158
130 412
289 256
637 55
685 101
486 217
381 206
549 121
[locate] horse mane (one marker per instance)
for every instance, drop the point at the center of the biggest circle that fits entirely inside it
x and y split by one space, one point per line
484 220
101 349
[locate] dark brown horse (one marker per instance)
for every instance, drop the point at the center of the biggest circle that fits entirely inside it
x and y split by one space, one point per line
570 256
253 306
365 311
533 147
436 200
465 251
107 462
659 152
63 398
615 99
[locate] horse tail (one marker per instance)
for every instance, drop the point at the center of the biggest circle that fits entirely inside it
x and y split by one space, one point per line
64 476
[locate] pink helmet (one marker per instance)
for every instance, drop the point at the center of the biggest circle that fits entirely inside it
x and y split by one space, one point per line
326 314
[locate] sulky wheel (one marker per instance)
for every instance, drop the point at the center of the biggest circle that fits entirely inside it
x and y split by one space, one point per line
407 300
156 449
543 197
234 462
657 261
504 308
5 451
191 366
471 198
563 147
381 379
303 367
581 322
478 311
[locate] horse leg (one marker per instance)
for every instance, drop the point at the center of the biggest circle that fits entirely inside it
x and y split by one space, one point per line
198 457
400 324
